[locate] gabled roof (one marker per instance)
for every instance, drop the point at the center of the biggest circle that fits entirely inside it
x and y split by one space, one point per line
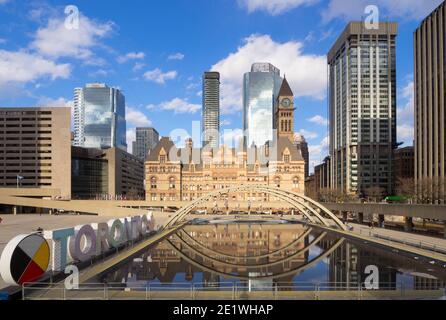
285 89
165 143
285 143
189 155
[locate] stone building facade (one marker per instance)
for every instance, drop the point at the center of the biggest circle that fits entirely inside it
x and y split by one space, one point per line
186 174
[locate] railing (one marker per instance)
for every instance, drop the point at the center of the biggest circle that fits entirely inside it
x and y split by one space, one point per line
434 247
230 291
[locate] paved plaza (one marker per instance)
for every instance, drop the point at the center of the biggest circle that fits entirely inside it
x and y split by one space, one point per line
13 225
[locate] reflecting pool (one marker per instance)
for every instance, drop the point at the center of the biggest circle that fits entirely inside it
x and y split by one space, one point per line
284 256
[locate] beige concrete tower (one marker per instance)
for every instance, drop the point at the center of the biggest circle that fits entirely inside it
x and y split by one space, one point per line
362 106
430 96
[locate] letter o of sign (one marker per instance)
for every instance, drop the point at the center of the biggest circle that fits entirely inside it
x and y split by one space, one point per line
144 225
115 233
84 246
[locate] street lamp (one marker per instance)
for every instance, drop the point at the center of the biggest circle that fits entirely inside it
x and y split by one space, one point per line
19 178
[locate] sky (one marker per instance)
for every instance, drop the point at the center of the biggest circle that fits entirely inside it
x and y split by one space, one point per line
157 51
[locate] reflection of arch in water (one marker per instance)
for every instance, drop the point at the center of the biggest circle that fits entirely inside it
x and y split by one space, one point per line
311 209
265 265
221 254
291 272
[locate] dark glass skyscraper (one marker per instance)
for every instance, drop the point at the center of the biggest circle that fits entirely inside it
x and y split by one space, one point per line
211 109
146 139
99 117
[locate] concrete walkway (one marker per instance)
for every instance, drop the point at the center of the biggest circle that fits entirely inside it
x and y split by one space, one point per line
412 239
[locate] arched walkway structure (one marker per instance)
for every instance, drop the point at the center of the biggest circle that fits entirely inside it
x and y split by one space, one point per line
315 212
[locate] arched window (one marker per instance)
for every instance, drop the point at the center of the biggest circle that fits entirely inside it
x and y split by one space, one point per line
171 183
295 182
153 183
277 182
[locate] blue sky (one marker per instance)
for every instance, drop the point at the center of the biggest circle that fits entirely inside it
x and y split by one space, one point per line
156 52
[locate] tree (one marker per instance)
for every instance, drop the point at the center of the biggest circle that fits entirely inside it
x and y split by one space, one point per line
406 187
374 193
133 194
430 190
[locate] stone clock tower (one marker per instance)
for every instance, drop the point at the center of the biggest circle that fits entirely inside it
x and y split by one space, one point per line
285 112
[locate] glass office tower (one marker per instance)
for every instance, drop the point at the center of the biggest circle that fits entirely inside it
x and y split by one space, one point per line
99 117
260 90
146 139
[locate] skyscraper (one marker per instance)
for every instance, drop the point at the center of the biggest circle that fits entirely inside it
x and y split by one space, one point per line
211 109
260 91
362 106
146 139
302 145
430 97
99 117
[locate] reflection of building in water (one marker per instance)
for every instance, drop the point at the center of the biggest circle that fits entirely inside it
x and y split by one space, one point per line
428 283
241 240
343 269
348 264
248 240
285 245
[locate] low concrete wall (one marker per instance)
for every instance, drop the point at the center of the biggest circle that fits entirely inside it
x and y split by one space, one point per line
407 210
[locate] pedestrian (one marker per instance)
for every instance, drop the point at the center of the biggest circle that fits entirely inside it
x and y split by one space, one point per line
1 220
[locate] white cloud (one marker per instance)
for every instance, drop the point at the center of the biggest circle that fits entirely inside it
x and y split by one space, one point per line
136 118
138 66
307 74
232 137
319 120
273 7
318 152
308 135
192 86
225 122
99 73
177 105
55 40
354 10
176 56
55 103
130 137
347 10
131 56
405 133
21 66
405 120
160 77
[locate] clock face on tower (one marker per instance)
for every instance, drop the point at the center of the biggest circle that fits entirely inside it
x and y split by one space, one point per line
286 103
